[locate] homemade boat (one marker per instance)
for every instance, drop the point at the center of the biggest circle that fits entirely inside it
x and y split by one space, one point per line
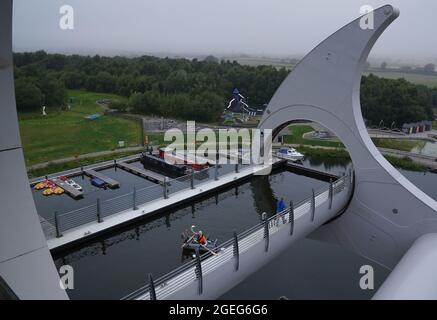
190 244
290 154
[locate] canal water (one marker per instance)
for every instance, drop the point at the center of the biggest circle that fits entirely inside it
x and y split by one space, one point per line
118 263
317 270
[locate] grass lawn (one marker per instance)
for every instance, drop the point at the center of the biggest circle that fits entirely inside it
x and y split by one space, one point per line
428 80
296 137
398 144
63 134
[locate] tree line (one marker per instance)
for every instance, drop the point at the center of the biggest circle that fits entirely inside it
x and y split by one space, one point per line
188 89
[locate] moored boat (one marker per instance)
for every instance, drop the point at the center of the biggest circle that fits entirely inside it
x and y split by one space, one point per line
290 154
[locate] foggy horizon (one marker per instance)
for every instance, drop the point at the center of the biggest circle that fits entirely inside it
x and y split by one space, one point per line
225 28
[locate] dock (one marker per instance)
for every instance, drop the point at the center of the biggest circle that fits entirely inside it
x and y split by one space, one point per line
311 173
109 181
147 174
67 188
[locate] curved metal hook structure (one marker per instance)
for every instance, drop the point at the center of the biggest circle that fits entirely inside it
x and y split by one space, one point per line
387 212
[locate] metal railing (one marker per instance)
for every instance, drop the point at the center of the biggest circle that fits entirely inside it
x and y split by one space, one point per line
97 212
77 171
194 270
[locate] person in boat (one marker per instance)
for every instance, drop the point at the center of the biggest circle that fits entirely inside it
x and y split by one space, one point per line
201 239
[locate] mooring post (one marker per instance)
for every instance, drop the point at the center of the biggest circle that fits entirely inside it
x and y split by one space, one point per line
216 176
192 179
291 218
58 230
99 217
152 291
313 205
331 193
134 199
266 230
236 252
199 275
165 187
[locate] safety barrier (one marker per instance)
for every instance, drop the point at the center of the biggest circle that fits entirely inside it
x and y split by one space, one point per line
195 270
97 212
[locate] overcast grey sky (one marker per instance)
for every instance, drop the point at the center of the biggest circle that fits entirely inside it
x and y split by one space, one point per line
257 27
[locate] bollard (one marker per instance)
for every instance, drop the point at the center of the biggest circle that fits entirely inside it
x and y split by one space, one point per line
192 179
216 176
313 205
58 231
236 252
99 218
134 199
266 231
236 168
199 275
291 218
152 291
165 186
331 193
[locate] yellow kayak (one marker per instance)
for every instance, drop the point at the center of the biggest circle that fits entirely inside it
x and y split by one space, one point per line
40 185
58 190
47 192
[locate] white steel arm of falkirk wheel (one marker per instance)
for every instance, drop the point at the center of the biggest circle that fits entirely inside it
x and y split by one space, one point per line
26 266
387 213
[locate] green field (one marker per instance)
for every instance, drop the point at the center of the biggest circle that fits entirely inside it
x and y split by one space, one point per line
428 80
63 134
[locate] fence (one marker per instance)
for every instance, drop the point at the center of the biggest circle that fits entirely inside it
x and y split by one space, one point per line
62 222
194 270
76 171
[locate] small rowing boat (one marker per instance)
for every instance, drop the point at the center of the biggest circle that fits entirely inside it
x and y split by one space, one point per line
190 244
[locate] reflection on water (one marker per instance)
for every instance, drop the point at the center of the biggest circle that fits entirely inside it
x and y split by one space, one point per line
333 165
